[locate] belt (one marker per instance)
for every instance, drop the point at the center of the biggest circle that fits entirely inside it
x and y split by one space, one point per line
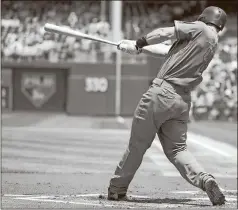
177 88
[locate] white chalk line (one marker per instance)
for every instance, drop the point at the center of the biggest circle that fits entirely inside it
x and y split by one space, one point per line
207 199
15 195
197 192
220 148
174 173
205 142
52 198
208 143
216 175
97 194
65 196
92 203
69 202
217 147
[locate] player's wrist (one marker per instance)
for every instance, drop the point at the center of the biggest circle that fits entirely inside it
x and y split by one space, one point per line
141 42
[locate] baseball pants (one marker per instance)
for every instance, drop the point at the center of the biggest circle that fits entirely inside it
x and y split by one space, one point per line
162 110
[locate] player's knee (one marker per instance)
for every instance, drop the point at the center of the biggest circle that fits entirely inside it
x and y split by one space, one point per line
172 152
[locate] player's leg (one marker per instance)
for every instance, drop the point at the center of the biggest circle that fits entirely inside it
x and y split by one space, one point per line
173 136
143 132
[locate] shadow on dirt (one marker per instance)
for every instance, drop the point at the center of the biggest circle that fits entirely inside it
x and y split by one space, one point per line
176 201
166 201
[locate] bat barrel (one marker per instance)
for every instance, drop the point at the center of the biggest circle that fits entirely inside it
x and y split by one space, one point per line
70 32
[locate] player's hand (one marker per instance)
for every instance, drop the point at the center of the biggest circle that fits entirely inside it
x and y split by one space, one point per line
128 46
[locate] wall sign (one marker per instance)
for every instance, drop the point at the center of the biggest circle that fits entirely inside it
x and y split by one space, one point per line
38 87
96 84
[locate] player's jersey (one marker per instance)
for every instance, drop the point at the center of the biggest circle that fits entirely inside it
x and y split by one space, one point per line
190 55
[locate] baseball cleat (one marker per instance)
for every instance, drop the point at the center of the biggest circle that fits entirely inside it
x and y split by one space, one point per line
115 196
214 192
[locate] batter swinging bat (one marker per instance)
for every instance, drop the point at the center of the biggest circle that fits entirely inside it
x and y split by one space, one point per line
70 32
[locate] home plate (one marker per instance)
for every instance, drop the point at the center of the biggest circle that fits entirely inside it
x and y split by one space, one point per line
131 202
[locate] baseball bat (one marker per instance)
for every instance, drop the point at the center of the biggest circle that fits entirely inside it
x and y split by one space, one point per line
70 32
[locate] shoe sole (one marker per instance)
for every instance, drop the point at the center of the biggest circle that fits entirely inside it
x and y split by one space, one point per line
214 193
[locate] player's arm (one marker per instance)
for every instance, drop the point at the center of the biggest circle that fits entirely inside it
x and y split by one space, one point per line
157 36
181 31
156 50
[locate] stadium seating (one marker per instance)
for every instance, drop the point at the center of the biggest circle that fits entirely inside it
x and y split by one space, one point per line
216 97
23 38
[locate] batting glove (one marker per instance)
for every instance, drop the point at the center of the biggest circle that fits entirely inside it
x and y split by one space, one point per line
129 46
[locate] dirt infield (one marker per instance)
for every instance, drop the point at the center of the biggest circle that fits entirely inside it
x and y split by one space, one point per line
89 191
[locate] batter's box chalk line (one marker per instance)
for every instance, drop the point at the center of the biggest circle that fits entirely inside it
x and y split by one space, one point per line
199 192
133 201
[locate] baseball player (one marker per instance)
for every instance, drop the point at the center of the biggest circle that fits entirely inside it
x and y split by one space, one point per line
164 108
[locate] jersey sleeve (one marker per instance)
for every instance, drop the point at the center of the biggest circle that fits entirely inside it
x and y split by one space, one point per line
187 30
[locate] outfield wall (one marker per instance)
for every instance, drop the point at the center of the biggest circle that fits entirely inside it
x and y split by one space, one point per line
77 89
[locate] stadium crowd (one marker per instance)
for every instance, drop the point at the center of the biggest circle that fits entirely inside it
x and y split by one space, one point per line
216 96
23 38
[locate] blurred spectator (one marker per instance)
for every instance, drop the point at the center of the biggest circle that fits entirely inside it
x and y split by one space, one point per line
23 38
216 97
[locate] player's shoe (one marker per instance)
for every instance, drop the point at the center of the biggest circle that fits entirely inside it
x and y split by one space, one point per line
214 192
115 196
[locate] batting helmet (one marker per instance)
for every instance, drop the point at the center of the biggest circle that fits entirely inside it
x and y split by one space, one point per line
214 15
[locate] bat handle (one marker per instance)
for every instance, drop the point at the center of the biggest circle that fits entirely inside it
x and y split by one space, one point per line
117 45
